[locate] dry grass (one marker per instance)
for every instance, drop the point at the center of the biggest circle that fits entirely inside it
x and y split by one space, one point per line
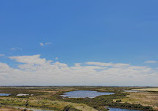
48 103
147 89
41 101
61 104
8 109
144 98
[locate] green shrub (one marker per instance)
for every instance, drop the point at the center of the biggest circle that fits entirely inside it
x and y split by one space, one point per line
70 108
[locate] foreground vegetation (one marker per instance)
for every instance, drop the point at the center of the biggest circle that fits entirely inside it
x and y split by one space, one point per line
45 104
4 108
147 89
145 98
49 98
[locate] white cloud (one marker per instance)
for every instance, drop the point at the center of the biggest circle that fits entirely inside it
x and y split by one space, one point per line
99 63
4 68
151 61
35 59
41 44
39 71
45 43
108 64
2 55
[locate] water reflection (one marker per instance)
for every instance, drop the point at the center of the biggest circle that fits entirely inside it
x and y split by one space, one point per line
4 94
84 94
119 109
130 90
32 109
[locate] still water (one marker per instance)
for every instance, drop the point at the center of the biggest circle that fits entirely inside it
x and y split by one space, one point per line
110 109
32 109
4 94
84 94
131 91
118 109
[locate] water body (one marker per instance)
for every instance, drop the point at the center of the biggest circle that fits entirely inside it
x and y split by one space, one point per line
4 94
131 91
32 109
119 109
84 94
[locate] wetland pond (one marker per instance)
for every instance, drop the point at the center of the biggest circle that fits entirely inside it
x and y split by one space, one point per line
4 94
32 109
119 109
84 94
91 94
131 91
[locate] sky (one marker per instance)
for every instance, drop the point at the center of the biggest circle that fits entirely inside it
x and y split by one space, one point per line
79 42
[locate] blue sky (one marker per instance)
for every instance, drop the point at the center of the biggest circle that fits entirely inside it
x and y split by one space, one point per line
77 31
121 31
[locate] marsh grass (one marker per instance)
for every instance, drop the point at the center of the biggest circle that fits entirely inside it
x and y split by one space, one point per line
44 103
147 89
143 98
49 98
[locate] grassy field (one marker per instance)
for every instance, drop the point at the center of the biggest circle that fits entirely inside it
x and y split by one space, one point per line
41 98
147 89
144 98
8 109
44 103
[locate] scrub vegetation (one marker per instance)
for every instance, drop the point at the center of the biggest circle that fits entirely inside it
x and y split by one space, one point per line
145 98
4 108
49 98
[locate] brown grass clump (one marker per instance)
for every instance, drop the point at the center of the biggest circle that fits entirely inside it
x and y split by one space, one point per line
143 98
8 109
147 89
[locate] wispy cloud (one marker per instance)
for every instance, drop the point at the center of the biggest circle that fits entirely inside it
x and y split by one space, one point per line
16 49
45 43
35 59
151 61
41 44
35 70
